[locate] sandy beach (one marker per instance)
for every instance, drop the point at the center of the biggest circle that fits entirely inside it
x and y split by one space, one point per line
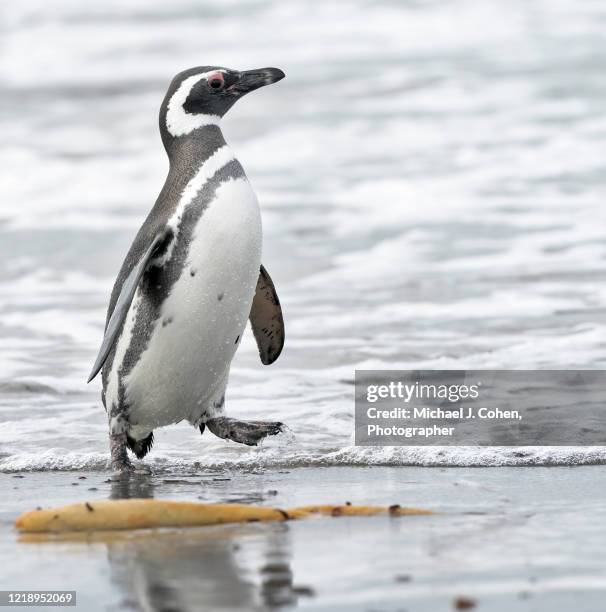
505 538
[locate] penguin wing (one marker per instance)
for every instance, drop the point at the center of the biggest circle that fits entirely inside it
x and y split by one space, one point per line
127 292
266 319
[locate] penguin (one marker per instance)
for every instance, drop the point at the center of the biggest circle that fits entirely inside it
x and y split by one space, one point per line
190 281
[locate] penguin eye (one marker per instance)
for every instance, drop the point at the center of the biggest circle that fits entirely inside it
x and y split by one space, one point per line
216 81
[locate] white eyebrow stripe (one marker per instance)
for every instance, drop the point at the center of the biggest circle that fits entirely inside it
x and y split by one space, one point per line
178 122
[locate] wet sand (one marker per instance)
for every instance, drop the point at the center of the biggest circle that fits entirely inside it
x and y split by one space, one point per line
506 538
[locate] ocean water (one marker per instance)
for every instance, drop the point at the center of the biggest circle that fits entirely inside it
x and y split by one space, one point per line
432 182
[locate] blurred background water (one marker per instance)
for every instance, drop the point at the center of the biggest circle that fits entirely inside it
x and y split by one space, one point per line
431 177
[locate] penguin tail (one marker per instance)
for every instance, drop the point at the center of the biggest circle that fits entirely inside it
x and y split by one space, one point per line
140 447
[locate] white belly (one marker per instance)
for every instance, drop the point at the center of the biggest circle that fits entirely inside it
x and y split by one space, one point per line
187 358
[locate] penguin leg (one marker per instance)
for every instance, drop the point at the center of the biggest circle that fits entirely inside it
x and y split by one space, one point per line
119 457
244 432
119 441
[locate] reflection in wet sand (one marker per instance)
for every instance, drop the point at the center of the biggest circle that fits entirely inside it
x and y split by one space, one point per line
225 567
247 567
128 486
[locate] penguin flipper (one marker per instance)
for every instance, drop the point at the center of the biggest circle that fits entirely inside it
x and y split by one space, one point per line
124 300
266 319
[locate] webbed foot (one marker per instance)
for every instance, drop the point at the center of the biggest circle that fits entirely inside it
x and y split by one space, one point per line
128 469
243 432
122 467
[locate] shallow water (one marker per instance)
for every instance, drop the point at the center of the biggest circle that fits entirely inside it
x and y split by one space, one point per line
432 181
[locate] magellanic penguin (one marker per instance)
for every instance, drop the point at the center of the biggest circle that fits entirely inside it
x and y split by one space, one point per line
191 280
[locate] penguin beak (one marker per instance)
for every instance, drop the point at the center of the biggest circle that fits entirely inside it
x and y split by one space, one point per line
249 80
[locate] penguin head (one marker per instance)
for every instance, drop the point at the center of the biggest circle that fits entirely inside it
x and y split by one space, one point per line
201 96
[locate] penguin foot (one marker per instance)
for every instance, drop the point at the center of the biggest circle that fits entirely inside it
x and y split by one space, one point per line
243 432
141 470
128 469
123 467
